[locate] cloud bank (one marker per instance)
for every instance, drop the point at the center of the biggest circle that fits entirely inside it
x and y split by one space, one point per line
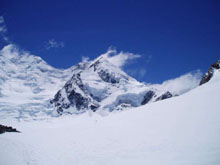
182 84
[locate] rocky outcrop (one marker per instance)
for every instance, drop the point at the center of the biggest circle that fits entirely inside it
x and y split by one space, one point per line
74 94
210 72
147 97
164 96
4 129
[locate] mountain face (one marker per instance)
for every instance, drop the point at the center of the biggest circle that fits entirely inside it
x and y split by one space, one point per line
102 85
32 89
210 73
27 83
28 87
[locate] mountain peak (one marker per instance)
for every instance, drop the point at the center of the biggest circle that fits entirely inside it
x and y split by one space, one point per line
28 85
103 85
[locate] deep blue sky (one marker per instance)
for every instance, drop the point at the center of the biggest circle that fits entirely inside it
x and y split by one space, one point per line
179 35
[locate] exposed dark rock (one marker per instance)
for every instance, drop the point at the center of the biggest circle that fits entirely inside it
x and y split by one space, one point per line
93 107
127 102
95 65
104 74
210 72
78 100
4 129
108 77
74 99
56 97
147 97
164 96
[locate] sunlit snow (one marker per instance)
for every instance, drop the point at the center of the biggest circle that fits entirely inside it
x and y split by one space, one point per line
181 130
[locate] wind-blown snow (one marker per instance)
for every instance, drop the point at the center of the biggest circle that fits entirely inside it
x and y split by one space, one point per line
182 84
119 59
181 130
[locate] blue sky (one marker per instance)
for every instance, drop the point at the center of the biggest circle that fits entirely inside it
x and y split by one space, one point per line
173 37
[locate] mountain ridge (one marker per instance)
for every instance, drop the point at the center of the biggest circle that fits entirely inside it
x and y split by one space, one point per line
28 86
103 85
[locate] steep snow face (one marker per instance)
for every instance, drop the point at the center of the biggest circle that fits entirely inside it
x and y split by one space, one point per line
103 85
27 83
183 130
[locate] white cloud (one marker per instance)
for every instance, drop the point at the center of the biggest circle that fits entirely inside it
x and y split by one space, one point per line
52 43
3 29
120 59
85 59
181 84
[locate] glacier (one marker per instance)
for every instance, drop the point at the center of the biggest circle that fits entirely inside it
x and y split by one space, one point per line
27 83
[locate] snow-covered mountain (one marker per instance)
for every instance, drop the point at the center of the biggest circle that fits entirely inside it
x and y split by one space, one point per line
101 85
182 130
32 89
27 83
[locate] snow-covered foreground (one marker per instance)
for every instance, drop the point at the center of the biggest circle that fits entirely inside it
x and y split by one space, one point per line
183 130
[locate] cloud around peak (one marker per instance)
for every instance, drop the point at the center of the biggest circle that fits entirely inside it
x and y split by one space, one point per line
119 59
182 84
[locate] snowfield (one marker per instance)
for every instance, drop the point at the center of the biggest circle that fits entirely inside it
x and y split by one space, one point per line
183 130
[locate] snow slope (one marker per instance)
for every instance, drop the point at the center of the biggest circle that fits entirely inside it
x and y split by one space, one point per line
27 83
183 130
